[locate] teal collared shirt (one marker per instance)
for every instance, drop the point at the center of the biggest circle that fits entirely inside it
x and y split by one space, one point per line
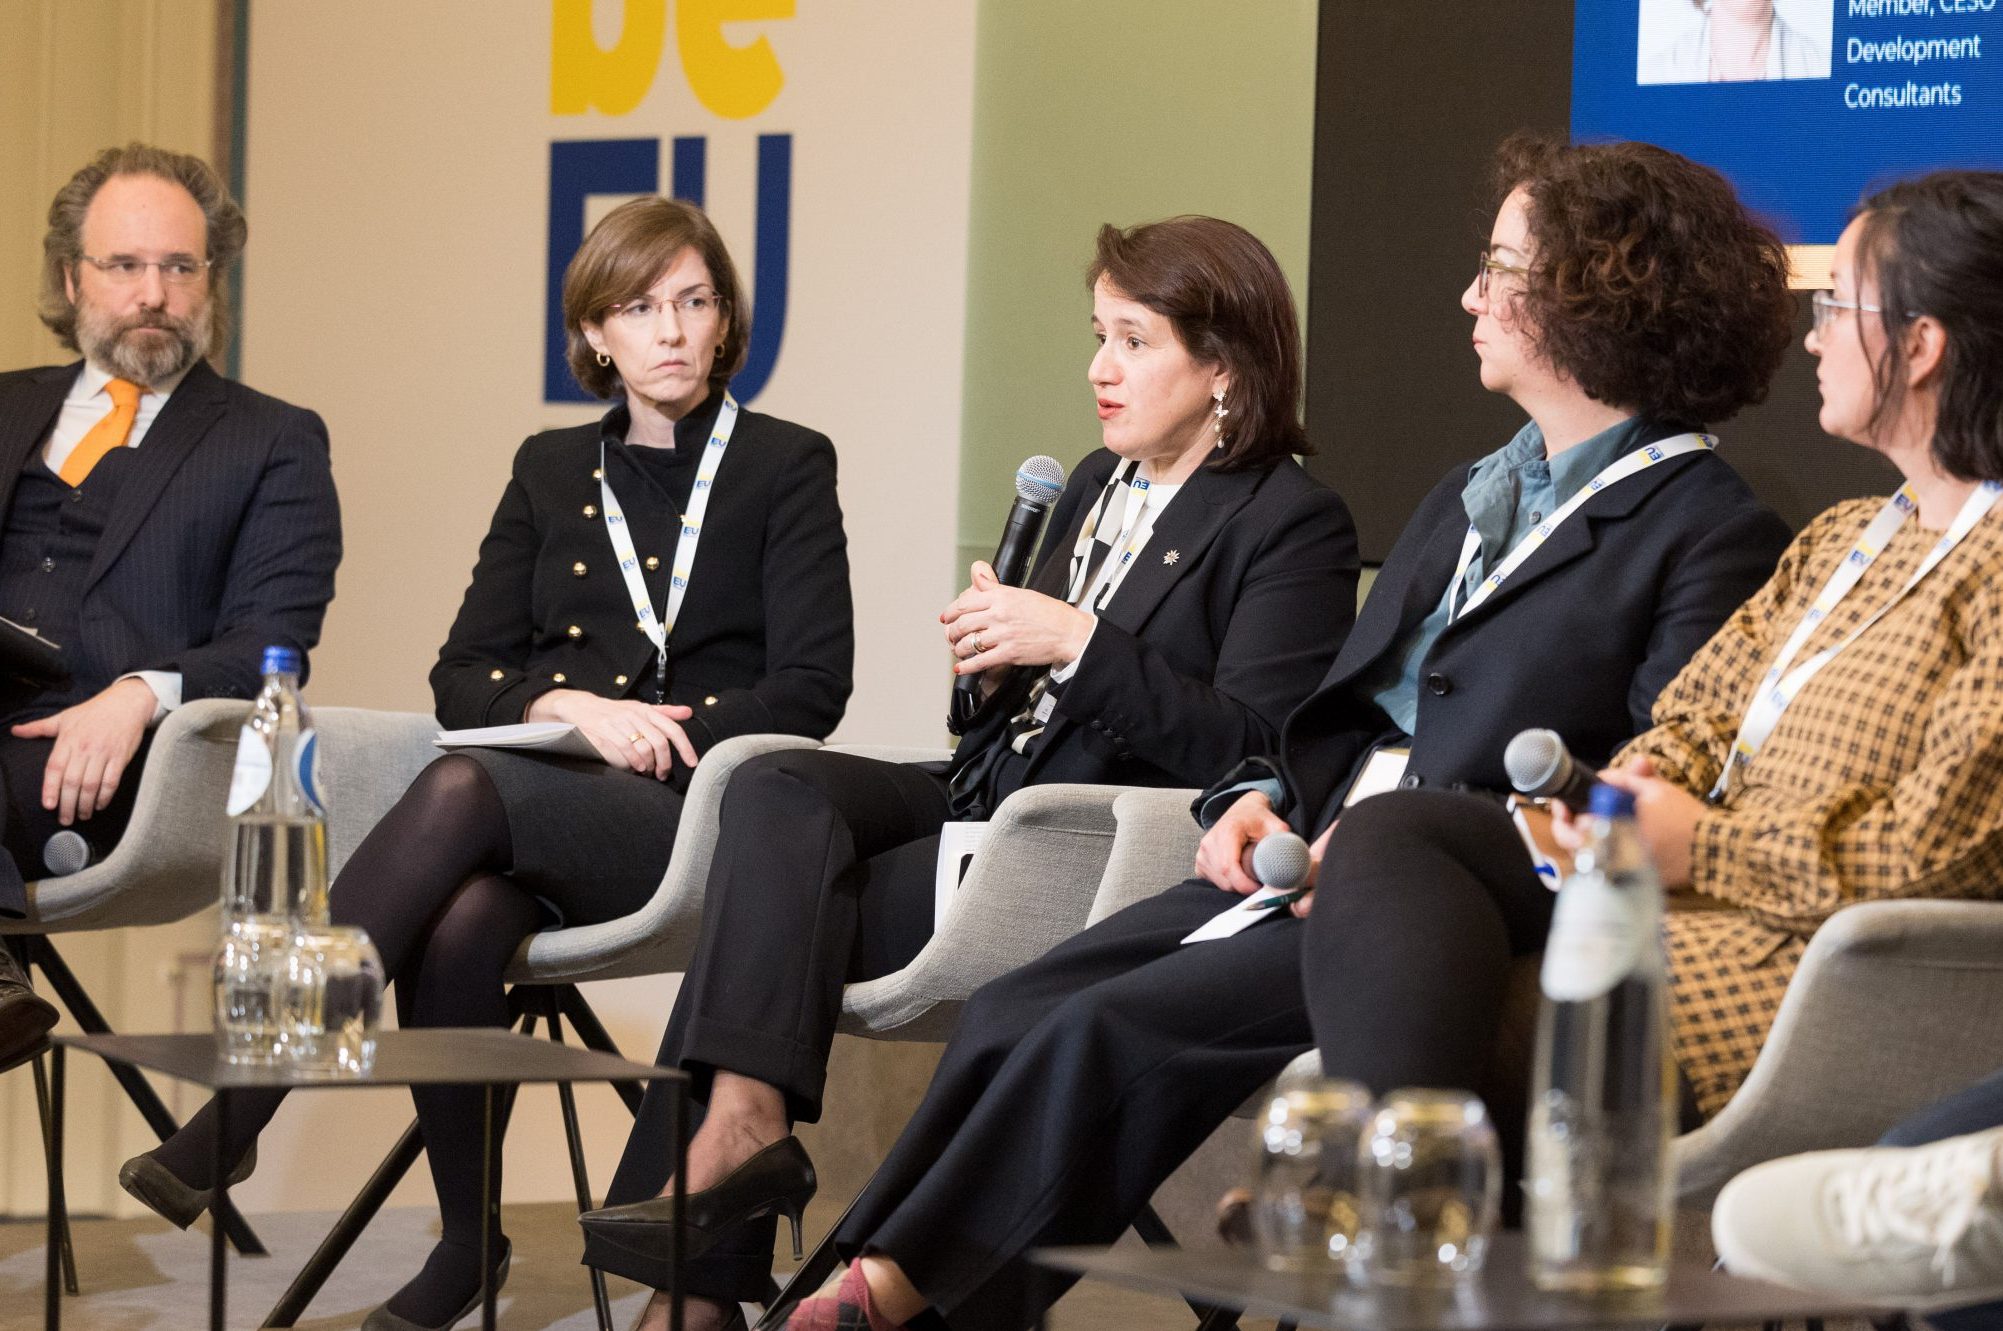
1507 493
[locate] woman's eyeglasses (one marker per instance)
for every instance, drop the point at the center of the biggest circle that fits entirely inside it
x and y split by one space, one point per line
1490 265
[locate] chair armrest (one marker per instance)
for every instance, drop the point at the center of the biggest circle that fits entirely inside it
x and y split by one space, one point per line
1154 849
1859 1041
660 936
367 759
894 753
1030 887
168 865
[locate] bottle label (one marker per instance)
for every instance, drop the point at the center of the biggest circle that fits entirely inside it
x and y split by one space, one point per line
307 751
1596 940
252 776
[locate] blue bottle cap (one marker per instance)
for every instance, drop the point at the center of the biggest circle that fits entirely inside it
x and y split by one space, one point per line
281 661
1610 802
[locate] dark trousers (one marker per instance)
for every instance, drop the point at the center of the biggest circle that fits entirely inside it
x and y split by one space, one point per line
823 875
1426 900
1978 1108
25 826
1073 1087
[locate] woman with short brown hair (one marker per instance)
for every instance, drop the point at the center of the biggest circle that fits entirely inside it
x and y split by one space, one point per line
652 664
1193 585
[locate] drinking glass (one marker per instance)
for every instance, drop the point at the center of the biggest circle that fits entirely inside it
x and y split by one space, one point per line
1304 1206
333 999
1430 1179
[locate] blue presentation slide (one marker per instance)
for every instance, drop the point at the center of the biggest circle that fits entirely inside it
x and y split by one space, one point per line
1805 104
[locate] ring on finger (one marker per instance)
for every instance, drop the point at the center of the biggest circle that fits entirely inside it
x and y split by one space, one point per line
636 740
980 647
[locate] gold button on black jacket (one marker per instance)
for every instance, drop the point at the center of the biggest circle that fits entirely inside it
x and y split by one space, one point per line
765 640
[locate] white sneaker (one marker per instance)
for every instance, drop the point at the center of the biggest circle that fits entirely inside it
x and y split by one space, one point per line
1905 1227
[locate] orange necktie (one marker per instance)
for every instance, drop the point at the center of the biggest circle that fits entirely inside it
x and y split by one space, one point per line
107 434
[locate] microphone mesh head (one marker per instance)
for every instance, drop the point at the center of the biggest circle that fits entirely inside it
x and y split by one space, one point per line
1533 759
1281 861
1039 480
65 853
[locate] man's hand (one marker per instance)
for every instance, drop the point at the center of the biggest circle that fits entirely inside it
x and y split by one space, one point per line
95 741
1221 856
638 736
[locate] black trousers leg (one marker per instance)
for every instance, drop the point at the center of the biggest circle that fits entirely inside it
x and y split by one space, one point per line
823 874
1423 901
1074 1086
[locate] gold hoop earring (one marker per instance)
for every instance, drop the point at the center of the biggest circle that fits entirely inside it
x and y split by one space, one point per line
604 359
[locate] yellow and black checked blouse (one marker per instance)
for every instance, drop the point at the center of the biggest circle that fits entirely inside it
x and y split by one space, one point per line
1884 779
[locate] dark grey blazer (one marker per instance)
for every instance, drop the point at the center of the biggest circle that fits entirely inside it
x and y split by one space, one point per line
223 540
1580 640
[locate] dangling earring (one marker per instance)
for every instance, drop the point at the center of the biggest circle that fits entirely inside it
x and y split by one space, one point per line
604 359
1218 413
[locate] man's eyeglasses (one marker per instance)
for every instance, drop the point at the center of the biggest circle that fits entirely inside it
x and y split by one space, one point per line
1490 265
177 270
698 308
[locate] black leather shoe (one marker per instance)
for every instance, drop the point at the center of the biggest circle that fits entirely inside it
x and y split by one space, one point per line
161 1191
779 1180
382 1319
25 1016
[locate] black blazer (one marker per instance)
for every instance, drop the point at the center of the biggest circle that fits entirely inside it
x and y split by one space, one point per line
223 540
1198 658
1580 640
765 641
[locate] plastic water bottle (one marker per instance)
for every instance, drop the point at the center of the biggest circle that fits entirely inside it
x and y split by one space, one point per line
1602 1104
275 883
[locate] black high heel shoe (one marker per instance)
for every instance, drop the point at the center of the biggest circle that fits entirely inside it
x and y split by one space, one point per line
779 1180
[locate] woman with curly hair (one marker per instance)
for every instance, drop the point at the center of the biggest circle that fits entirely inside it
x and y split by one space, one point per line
1625 301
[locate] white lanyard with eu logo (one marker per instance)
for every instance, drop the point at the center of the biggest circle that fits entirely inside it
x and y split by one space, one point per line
1779 687
1120 549
657 628
1619 470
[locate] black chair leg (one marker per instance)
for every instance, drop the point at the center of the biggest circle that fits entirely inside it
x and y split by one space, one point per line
348 1228
820 1263
49 1161
601 1303
61 979
1149 1225
593 1035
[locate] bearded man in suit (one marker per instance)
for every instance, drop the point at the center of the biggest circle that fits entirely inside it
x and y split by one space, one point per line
162 524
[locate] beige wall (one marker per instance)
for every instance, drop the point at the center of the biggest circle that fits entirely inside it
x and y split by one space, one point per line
76 76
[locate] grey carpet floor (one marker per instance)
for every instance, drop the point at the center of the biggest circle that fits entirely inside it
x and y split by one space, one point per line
144 1275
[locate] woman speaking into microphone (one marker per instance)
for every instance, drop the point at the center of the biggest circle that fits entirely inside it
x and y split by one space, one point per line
1194 583
661 579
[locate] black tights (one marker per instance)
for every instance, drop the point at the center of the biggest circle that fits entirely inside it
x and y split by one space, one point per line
430 885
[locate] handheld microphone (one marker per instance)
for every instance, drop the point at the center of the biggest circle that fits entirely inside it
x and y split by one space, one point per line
66 853
1038 482
1281 861
1539 764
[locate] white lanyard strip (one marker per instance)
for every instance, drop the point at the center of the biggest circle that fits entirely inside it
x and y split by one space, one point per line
1619 470
658 628
1779 687
1130 536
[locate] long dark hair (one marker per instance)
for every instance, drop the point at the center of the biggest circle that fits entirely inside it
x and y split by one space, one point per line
1934 247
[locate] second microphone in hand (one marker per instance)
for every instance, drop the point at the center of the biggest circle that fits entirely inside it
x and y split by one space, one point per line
1038 482
1541 766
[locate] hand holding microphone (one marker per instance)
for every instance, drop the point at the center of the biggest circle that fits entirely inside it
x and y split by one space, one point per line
1038 482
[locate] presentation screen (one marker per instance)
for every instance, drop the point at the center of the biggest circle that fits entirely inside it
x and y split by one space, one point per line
1805 104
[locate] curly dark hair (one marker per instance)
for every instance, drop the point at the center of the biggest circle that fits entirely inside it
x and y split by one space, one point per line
1934 246
1652 286
1223 291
